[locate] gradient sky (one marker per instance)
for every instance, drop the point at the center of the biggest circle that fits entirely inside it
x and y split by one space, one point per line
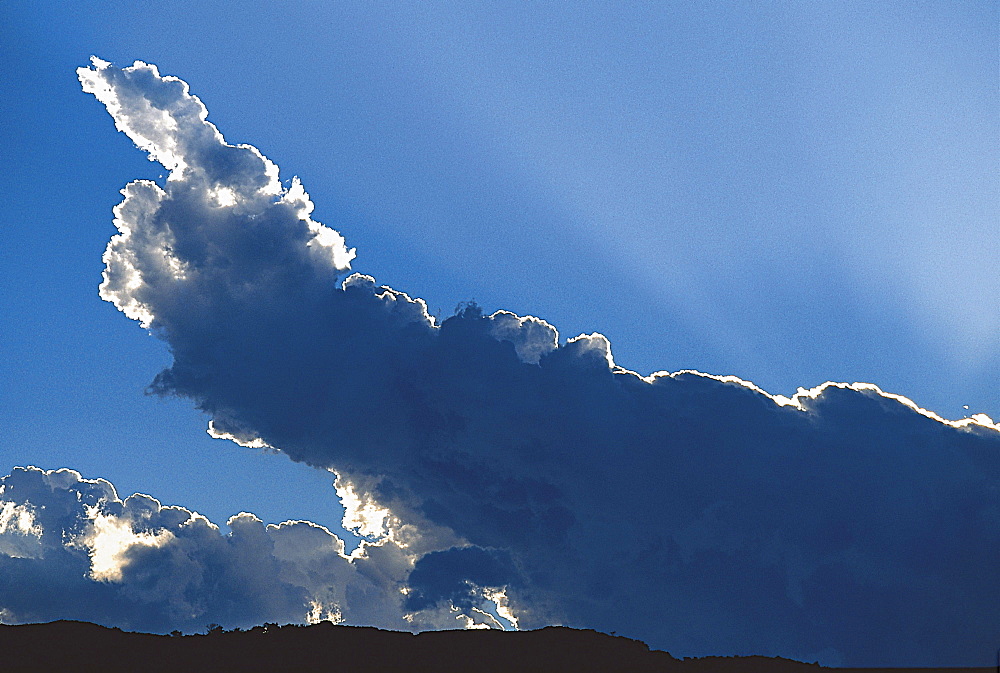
790 192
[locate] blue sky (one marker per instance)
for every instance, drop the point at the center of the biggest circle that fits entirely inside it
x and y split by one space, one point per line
787 192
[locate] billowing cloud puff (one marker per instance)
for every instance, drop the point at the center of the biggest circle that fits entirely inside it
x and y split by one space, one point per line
697 513
221 208
71 549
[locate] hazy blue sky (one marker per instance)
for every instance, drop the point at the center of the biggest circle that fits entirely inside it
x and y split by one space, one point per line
790 192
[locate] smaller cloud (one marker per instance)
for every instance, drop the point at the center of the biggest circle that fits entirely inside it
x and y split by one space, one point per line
72 549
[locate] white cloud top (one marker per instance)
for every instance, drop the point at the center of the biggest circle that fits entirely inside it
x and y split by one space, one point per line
213 189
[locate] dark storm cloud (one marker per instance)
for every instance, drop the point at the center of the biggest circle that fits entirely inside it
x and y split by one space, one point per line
695 512
454 574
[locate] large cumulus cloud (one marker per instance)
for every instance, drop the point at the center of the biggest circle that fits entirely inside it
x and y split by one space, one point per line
695 512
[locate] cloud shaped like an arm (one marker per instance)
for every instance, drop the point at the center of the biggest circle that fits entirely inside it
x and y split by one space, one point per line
695 512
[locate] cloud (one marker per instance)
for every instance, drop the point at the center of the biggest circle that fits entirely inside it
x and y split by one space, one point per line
72 549
695 512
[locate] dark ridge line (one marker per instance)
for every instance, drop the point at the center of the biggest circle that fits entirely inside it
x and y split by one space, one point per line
83 646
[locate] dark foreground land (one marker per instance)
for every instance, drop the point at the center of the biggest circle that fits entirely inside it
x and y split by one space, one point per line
78 646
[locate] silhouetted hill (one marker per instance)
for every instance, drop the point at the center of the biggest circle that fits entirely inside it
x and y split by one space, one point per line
79 646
